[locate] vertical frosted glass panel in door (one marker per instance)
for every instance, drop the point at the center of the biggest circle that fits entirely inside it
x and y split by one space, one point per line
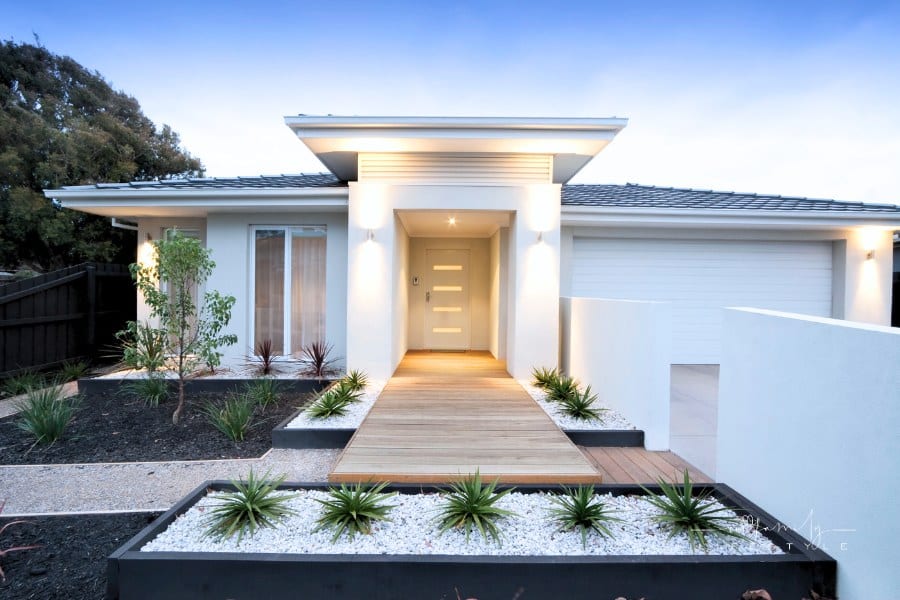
269 283
307 288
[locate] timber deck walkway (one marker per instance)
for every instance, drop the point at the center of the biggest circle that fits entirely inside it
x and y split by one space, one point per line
444 415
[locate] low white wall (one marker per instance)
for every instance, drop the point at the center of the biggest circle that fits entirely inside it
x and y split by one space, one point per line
809 415
622 349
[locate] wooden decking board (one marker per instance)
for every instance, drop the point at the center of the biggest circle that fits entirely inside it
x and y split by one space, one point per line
636 465
445 415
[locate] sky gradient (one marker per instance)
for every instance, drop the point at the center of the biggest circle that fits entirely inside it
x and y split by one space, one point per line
794 98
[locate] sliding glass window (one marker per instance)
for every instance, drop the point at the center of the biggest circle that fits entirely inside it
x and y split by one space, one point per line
292 259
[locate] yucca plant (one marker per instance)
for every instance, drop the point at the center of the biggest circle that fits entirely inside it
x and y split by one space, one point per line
543 377
356 379
263 392
255 503
264 356
561 388
73 370
143 346
472 504
152 389
233 417
353 509
23 383
346 390
579 508
695 516
580 405
45 413
316 359
5 551
331 403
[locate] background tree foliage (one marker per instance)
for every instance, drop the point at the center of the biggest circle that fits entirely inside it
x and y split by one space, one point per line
61 124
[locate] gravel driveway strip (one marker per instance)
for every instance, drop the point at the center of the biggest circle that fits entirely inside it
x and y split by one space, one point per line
39 489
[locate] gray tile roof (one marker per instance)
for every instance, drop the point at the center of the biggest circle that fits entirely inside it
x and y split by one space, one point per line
632 195
307 180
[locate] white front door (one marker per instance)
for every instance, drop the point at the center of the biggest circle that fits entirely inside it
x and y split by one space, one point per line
447 318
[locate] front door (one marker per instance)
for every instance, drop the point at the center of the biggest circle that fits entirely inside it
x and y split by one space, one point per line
447 300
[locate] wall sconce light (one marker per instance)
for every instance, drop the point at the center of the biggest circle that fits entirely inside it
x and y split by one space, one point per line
870 255
370 235
540 237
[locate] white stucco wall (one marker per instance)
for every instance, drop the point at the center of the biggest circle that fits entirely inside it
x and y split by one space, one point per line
401 277
497 311
809 414
622 349
862 290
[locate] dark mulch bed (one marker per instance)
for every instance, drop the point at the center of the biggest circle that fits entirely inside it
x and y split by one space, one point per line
71 562
115 427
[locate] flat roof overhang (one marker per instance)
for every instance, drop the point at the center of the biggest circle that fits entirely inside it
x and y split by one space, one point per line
338 141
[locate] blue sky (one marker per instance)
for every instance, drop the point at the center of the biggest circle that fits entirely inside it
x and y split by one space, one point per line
797 98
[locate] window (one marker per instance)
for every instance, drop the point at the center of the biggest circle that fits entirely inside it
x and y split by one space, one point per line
292 259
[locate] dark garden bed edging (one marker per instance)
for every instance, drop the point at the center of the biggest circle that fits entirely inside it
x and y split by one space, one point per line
202 385
135 575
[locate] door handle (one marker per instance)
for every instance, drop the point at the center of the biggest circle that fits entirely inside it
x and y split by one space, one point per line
427 296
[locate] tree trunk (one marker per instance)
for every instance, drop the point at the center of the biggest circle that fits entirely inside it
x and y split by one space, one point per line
180 408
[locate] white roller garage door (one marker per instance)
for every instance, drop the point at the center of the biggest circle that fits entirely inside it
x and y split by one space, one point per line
700 277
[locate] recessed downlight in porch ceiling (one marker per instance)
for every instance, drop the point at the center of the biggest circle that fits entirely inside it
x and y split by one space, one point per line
466 224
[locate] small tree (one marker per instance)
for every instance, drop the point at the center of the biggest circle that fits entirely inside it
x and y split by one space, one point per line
192 334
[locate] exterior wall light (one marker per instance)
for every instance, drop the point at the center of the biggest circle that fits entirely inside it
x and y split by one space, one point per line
870 255
370 235
540 237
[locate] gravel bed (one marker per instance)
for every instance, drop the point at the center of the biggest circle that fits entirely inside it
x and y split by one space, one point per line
286 370
71 562
413 530
352 419
610 419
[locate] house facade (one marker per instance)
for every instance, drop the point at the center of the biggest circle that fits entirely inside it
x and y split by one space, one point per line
463 234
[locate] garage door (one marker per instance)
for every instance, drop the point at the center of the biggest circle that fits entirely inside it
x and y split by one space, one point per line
701 277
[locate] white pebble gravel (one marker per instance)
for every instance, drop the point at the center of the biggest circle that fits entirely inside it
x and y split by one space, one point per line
609 418
355 413
413 530
284 370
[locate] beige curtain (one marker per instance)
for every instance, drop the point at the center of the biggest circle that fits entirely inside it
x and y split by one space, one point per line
307 287
269 301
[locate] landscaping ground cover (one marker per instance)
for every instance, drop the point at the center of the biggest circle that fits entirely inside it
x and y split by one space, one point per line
71 562
114 427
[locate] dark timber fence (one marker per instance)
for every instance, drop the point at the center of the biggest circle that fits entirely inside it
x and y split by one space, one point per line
68 314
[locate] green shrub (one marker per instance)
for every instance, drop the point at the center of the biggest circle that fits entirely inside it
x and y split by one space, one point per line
233 417
72 371
255 503
543 377
561 388
356 379
23 383
152 389
471 504
330 404
45 413
353 509
263 392
580 405
580 509
695 516
143 346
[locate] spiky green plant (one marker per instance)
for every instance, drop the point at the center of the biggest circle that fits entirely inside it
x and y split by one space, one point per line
472 504
45 413
346 390
560 389
255 503
263 392
152 389
332 403
233 417
23 383
580 405
353 509
543 377
695 516
579 508
357 380
71 371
